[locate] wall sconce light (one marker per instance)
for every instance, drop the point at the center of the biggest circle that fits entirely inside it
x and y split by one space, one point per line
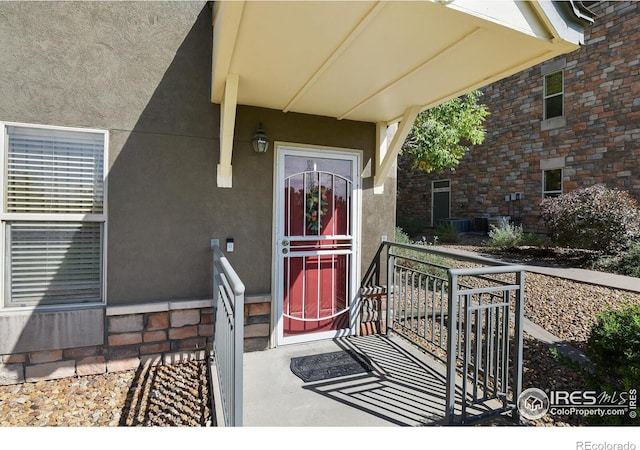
260 141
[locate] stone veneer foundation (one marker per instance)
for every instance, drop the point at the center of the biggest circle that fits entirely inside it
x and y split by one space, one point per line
160 334
156 333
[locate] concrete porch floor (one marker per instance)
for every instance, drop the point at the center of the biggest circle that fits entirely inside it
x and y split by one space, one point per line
406 387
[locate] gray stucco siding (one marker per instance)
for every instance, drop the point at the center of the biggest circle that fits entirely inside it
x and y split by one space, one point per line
164 206
142 71
106 65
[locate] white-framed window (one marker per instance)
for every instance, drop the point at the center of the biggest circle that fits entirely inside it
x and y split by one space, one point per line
554 95
53 214
551 182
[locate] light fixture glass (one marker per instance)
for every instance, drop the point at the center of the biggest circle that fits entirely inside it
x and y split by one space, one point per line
260 141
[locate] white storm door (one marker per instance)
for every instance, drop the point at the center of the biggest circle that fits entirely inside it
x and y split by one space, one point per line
317 199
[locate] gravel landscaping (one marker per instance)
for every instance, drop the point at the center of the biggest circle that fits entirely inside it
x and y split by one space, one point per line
565 308
178 395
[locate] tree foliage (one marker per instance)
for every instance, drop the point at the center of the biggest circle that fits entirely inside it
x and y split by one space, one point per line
441 135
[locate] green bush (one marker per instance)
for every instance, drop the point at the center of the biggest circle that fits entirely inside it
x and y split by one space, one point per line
401 236
412 227
623 263
596 218
506 237
614 343
614 348
428 260
629 262
446 232
535 240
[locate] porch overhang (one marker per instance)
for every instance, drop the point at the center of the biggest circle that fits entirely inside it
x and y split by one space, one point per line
377 61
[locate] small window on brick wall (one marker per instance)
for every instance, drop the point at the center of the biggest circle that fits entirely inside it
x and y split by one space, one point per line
553 95
551 183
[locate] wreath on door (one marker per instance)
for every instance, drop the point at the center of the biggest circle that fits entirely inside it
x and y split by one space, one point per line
316 203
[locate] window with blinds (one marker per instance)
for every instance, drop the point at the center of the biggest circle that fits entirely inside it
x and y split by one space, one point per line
53 215
55 262
54 171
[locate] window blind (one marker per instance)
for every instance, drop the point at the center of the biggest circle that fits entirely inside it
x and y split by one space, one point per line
54 262
56 258
54 171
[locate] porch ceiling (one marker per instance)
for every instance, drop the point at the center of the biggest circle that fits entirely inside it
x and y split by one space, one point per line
372 61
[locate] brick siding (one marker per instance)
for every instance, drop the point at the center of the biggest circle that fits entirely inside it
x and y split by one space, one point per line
600 138
133 339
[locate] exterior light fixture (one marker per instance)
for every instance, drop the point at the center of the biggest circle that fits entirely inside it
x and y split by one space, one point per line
260 141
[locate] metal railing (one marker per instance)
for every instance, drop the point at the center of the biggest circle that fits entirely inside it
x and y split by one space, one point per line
486 338
228 346
469 318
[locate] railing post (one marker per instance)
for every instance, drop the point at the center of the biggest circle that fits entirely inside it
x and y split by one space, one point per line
377 259
390 295
518 350
215 243
238 338
228 294
451 347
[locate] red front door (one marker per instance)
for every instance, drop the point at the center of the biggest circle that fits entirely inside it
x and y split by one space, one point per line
315 244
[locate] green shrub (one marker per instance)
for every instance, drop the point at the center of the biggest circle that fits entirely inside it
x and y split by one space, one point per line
535 240
401 236
412 227
506 237
428 259
614 343
629 262
596 218
614 348
605 263
623 263
447 232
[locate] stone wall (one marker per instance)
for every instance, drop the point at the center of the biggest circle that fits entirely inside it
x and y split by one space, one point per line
597 139
257 320
157 334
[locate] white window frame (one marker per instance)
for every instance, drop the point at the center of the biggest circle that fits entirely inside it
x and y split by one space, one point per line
558 94
545 193
5 303
557 163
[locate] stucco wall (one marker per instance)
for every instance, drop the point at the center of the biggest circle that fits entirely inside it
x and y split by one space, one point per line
598 137
143 71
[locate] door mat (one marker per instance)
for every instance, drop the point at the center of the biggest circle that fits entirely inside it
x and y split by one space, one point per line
329 365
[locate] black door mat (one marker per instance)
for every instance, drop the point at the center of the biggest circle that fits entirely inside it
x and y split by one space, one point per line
329 365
